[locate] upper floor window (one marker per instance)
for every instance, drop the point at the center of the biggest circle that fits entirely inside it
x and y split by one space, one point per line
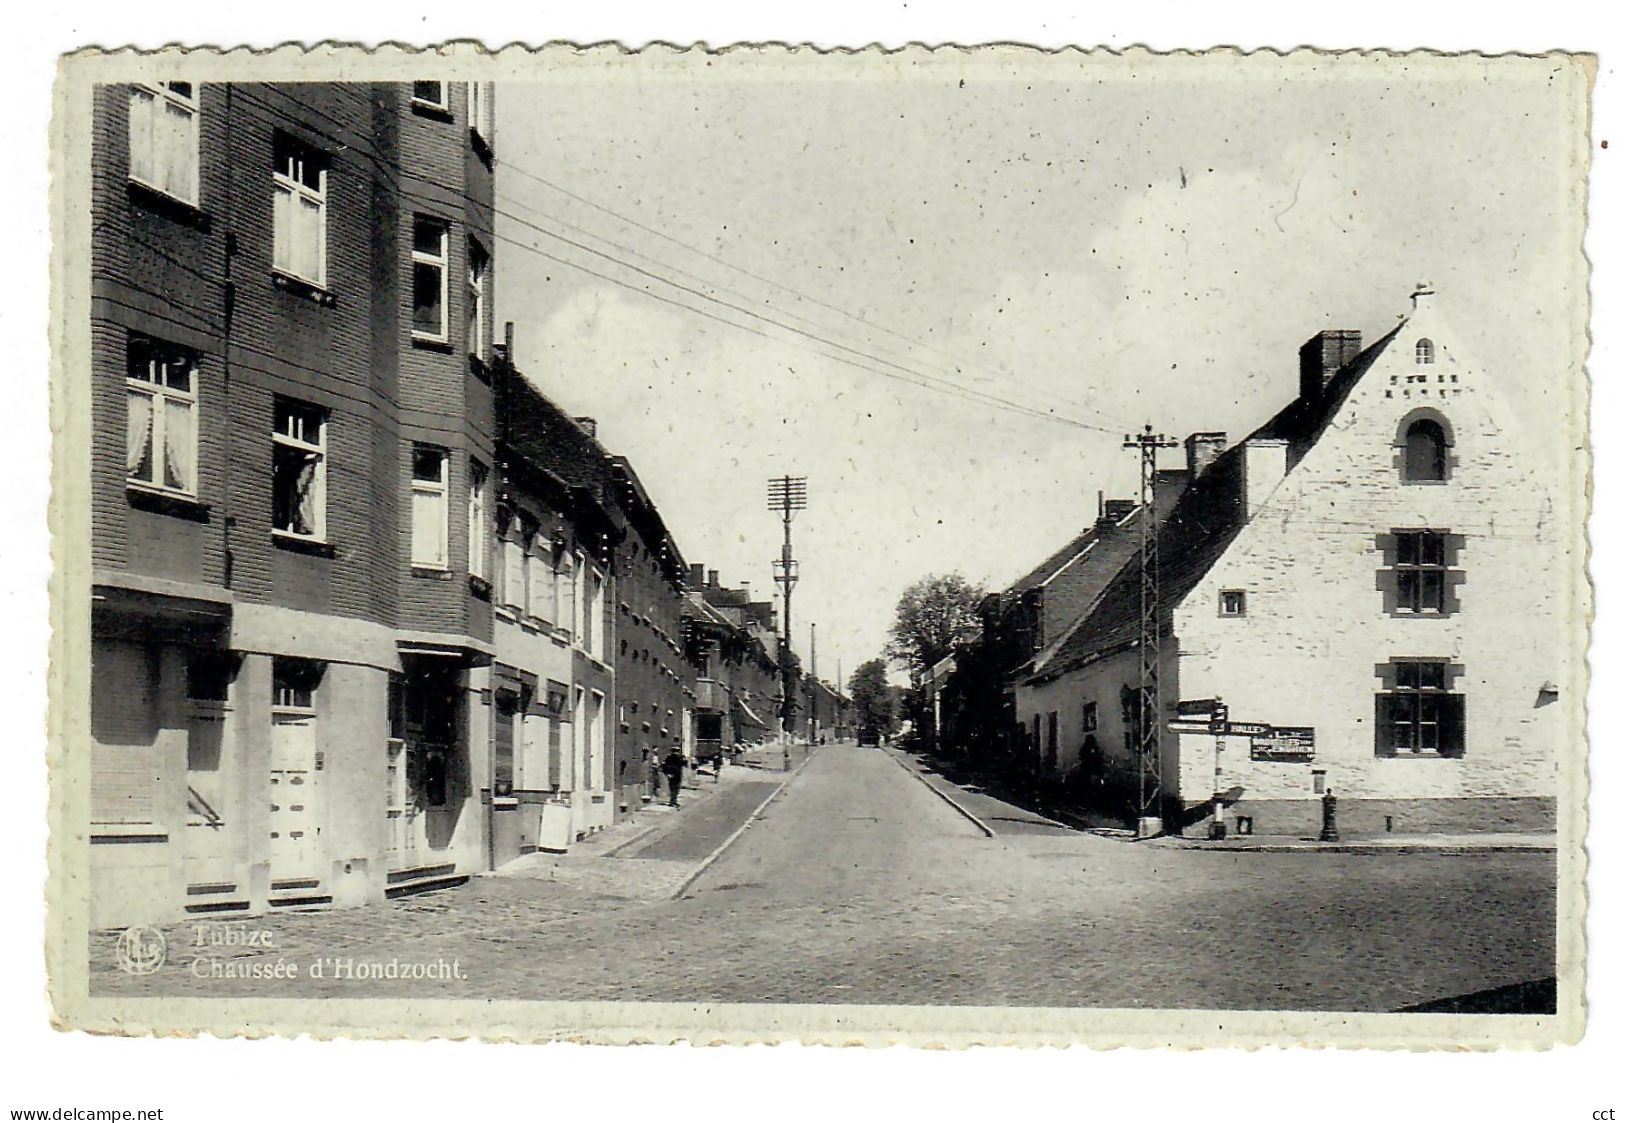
1421 566
1233 602
429 503
299 470
540 570
1425 456
1416 713
1424 352
164 138
299 212
161 425
515 583
479 111
479 275
432 94
429 241
479 539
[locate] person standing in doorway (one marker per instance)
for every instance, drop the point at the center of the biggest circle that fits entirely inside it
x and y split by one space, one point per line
673 767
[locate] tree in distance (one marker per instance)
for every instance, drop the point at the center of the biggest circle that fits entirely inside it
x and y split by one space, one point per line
872 697
934 615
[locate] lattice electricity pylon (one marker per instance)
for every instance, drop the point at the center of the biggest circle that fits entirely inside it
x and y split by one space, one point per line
786 494
1150 747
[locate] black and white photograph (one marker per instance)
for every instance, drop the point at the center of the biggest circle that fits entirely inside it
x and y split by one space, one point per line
942 546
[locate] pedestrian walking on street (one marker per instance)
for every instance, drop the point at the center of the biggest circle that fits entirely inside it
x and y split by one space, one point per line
673 767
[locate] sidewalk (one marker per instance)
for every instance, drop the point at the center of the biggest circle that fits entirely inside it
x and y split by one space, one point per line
652 856
995 816
1003 817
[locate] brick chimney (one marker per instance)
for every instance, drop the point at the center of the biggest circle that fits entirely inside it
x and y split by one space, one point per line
1116 510
1202 449
589 425
1323 356
696 575
711 579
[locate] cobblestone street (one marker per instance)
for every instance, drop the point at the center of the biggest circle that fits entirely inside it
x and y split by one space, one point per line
858 884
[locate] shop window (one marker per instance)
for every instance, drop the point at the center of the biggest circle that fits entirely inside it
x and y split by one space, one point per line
164 138
1416 713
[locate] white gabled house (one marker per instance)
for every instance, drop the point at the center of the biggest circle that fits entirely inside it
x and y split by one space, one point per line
1373 576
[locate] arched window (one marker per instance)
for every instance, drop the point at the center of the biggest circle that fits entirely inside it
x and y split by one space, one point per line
1425 450
1424 352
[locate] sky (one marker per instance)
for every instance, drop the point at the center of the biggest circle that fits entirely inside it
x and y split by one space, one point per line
953 282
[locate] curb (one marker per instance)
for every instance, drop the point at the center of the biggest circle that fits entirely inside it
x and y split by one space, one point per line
711 858
942 795
1374 848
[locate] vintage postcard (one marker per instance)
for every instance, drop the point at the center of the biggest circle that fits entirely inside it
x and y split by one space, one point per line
940 546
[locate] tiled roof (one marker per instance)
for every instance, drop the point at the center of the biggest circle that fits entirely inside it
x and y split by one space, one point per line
1204 520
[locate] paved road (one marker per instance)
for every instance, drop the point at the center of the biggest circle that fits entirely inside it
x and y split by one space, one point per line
859 885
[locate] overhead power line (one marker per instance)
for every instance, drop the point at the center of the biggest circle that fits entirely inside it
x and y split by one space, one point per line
959 363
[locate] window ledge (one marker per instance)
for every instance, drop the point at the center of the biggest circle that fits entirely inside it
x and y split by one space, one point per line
299 286
431 572
479 586
430 343
299 544
166 502
1407 755
128 832
482 147
479 367
432 110
170 206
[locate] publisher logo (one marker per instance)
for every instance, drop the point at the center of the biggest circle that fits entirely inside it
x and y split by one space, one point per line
141 950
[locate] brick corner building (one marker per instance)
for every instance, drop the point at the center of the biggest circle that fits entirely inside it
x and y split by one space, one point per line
291 405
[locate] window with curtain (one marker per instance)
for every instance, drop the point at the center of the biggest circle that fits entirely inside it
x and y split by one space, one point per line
161 423
479 270
164 138
429 502
299 210
429 264
479 537
299 470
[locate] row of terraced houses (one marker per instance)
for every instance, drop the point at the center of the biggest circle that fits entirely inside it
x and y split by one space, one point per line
370 612
1370 586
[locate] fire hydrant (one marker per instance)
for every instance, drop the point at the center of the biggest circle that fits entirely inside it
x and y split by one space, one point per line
1328 818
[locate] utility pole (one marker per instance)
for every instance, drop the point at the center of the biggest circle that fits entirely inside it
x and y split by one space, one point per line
812 709
787 495
1150 821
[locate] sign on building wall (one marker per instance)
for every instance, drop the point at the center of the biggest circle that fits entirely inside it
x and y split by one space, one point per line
1284 743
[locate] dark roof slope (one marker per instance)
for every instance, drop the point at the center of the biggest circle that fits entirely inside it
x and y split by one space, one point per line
1204 520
